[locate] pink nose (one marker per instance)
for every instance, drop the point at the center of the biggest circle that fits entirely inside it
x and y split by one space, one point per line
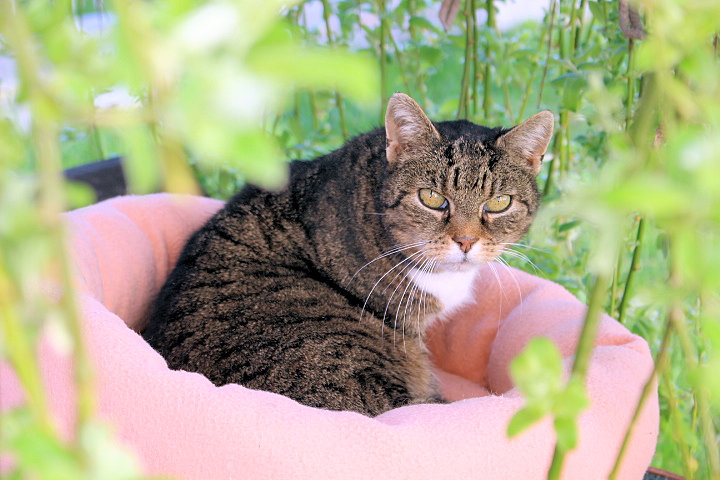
465 242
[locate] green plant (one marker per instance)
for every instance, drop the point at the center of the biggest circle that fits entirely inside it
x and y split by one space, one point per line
631 184
204 74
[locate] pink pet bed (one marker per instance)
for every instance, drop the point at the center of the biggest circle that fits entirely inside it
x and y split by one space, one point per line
179 424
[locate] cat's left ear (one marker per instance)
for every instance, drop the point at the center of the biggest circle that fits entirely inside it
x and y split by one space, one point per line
406 125
530 139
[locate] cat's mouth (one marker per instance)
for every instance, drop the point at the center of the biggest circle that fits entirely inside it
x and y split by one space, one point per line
461 264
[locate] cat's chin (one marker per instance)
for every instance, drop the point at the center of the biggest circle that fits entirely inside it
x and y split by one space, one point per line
462 266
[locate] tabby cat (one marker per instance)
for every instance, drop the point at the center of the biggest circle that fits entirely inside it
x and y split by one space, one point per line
322 291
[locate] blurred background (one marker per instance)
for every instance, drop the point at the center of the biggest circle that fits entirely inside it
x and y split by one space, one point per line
204 96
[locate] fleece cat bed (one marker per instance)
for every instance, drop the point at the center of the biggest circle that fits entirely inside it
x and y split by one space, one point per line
181 425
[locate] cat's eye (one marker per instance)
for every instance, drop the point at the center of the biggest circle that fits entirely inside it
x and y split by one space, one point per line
432 199
498 204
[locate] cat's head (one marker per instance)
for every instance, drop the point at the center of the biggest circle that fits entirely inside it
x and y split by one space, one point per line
456 191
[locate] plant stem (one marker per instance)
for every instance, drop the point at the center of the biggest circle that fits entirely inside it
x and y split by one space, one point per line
583 353
553 166
561 37
589 30
462 104
700 392
398 55
677 423
420 76
634 266
383 59
661 363
506 90
51 199
338 97
313 107
573 27
302 16
487 83
630 85
565 124
553 6
20 352
615 284
577 32
475 59
526 95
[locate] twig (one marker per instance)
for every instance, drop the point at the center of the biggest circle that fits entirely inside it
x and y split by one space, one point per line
677 423
578 31
462 104
398 55
565 132
313 107
553 6
475 59
51 199
553 167
338 97
573 27
699 392
583 353
487 97
615 284
21 354
526 95
634 266
630 84
302 14
661 363
383 59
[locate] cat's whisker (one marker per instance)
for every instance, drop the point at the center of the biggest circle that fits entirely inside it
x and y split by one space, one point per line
414 263
384 275
390 283
423 301
393 280
521 256
511 244
410 297
396 249
512 275
500 285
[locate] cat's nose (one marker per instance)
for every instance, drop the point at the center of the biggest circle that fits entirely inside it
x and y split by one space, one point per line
465 242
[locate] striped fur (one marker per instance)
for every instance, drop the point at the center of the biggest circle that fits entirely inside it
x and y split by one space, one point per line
313 292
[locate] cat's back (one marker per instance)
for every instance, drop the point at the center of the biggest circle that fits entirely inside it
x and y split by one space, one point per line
262 243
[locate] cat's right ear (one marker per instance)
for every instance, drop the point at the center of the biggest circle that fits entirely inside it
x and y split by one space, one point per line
530 139
406 125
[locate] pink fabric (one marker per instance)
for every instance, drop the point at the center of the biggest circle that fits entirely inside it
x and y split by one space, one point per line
179 424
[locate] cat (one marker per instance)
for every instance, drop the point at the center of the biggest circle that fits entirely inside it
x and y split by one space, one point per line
322 291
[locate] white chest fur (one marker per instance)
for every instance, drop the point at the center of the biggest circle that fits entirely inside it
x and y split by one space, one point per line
452 288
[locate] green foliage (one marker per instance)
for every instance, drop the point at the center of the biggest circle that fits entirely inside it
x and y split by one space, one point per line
538 373
632 173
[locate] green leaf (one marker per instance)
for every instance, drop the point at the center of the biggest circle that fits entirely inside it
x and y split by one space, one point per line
422 23
79 195
432 55
142 160
524 419
572 401
567 433
573 90
568 226
597 10
537 371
